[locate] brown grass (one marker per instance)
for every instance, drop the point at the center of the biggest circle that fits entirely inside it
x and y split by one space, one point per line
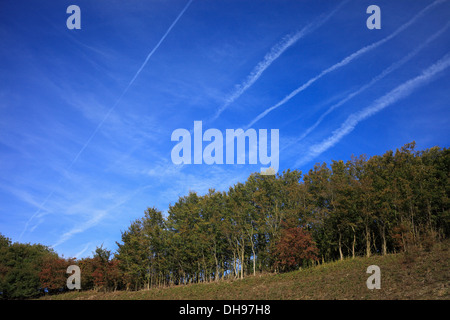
418 274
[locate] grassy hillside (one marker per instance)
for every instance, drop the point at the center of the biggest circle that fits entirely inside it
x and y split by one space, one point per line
420 274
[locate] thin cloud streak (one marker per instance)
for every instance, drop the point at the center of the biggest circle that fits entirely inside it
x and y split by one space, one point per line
274 53
343 62
108 113
79 253
38 211
98 215
130 83
393 96
383 74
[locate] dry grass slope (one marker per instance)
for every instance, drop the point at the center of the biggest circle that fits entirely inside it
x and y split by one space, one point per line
419 275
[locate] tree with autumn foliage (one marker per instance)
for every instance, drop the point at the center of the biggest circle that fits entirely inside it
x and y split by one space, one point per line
268 223
101 272
295 249
53 274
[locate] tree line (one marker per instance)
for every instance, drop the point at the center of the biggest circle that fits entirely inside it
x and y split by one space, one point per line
269 223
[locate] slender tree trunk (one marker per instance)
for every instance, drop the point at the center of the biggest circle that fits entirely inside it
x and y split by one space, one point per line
383 238
216 278
411 209
254 258
368 253
354 243
374 242
242 262
430 221
235 265
340 246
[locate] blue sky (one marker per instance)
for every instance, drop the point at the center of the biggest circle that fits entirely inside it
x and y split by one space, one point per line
86 116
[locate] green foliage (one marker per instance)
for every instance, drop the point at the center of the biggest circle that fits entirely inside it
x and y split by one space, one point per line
270 223
20 265
365 206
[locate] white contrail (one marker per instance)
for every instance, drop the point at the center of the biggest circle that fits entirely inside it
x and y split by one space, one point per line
383 74
271 56
109 112
393 96
343 62
36 213
129 84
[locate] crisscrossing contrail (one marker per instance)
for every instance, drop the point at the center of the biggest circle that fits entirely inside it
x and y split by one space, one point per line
109 112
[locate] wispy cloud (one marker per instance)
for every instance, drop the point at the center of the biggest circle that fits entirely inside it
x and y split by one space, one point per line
130 84
275 52
96 215
36 213
383 74
27 198
393 96
343 62
79 253
85 145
